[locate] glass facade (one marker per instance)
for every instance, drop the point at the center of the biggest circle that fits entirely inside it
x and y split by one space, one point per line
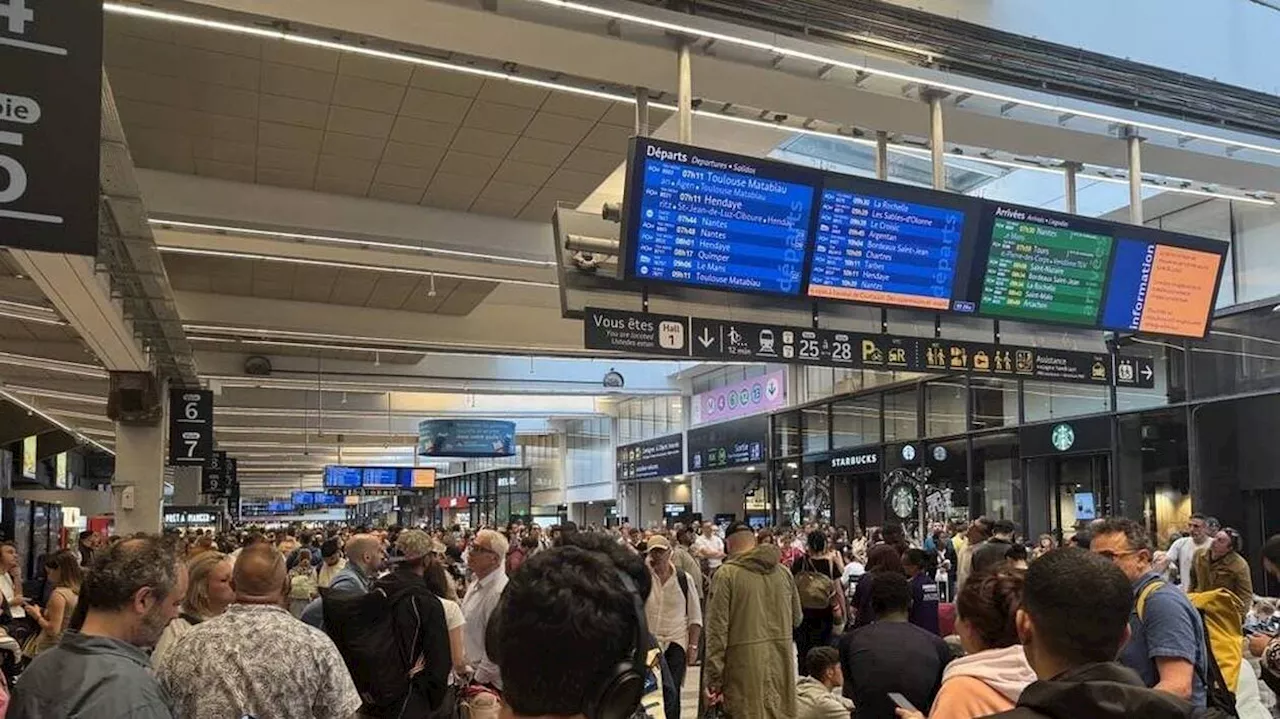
488 498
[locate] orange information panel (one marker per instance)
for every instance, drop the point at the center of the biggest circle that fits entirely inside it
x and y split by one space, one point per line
1180 291
879 297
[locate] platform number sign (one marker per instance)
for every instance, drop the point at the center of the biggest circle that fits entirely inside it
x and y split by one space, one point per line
190 427
213 477
50 124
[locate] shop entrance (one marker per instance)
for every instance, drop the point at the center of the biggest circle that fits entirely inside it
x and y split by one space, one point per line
856 502
1066 493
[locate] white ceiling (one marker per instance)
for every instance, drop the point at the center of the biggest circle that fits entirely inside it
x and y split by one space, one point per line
205 102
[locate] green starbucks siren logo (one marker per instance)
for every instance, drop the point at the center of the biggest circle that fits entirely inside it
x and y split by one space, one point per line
1062 437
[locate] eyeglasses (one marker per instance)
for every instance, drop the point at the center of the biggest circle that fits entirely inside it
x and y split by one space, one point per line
1113 556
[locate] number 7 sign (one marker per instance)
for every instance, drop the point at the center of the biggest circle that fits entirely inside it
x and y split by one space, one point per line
190 427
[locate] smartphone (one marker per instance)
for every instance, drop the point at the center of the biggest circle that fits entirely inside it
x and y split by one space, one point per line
902 702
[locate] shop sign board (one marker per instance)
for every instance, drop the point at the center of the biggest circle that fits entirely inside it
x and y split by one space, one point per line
190 427
651 459
50 124
766 393
1073 436
857 460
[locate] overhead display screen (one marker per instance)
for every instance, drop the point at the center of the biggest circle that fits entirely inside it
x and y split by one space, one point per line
877 244
1043 267
339 476
380 477
706 219
711 220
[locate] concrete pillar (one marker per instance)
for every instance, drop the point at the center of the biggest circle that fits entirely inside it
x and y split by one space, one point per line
684 92
936 142
1134 143
1069 170
139 478
186 486
882 155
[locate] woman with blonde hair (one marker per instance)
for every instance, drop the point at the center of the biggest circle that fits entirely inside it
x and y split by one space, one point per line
209 593
63 569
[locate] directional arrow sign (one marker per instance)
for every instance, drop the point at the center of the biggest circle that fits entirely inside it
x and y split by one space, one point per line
707 339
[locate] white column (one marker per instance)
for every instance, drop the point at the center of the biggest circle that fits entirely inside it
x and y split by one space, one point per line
684 92
1135 175
139 478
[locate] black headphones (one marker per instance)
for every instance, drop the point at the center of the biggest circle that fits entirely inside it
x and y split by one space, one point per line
619 695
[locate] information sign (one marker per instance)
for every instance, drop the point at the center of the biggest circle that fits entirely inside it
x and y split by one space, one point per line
651 459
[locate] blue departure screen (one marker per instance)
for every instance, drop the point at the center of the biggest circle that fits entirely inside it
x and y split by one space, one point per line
885 251
304 497
339 476
726 223
380 476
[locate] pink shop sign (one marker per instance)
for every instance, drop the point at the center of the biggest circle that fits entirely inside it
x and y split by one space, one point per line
766 393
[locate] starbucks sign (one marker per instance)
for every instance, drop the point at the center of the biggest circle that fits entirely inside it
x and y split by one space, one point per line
902 500
1062 437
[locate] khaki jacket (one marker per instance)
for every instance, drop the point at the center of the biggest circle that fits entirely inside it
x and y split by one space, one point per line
752 609
1229 572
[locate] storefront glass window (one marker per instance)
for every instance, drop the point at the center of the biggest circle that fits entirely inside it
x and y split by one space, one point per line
1052 400
946 494
786 434
994 402
997 476
816 425
901 415
1153 478
944 408
855 422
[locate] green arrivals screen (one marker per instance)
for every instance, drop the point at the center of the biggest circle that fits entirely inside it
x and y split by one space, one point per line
1042 270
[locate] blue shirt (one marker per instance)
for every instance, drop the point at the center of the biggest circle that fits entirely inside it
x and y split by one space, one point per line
350 579
1170 627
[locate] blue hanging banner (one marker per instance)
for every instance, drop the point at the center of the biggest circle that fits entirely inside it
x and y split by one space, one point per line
466 438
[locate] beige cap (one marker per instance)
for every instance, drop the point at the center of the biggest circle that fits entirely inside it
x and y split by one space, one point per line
657 541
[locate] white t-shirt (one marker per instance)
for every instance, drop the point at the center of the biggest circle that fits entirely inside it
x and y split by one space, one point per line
1183 553
453 617
6 588
713 543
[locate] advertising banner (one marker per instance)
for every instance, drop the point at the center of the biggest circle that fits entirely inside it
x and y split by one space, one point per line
466 438
767 393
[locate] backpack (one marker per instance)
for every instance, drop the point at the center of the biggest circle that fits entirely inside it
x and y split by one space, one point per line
363 627
815 587
1223 642
683 579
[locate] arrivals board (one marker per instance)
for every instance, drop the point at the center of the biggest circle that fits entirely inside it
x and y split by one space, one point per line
709 220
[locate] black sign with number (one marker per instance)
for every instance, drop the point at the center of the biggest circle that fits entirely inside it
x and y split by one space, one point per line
190 427
750 342
645 332
50 126
213 477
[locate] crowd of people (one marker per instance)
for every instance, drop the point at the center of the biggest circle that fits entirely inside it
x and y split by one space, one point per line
812 622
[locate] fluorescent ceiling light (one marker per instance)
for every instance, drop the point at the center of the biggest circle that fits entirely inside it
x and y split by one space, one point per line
496 259
52 365
350 266
301 345
311 430
684 30
148 13
52 420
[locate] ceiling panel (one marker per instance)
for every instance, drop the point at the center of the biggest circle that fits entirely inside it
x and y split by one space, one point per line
246 109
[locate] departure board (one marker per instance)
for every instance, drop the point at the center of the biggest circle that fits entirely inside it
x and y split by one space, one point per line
1161 289
886 251
1041 267
703 219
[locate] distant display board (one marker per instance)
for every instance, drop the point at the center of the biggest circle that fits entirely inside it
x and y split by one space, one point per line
728 444
711 220
418 478
380 477
466 438
651 459
337 476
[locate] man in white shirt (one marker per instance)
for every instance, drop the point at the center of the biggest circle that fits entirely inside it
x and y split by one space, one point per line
710 547
1183 551
486 559
673 610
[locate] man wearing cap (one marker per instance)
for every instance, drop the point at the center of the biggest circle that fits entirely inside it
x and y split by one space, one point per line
673 610
752 609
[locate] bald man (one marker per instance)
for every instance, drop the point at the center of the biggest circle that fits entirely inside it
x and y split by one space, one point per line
255 659
365 557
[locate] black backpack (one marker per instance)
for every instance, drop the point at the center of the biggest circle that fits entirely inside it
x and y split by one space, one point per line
380 649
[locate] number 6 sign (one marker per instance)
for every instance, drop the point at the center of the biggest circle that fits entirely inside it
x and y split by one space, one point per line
190 427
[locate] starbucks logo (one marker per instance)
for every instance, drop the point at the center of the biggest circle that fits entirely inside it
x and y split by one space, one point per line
1062 437
902 500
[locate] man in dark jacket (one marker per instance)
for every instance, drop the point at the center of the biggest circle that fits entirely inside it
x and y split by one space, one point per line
995 550
1073 620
